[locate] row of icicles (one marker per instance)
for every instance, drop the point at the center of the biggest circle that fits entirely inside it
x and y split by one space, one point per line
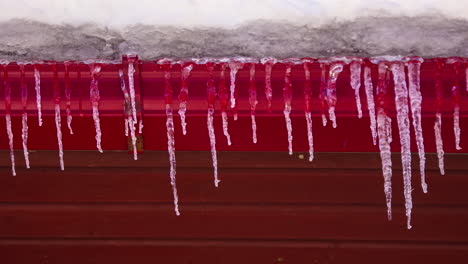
406 99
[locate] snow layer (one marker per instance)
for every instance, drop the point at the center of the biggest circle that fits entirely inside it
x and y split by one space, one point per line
72 29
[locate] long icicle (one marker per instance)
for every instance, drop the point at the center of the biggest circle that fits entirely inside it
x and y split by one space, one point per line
323 91
223 100
269 63
24 116
335 69
58 123
37 87
287 97
168 94
456 94
131 85
234 67
68 96
355 68
211 97
414 70
253 101
95 70
8 116
384 130
370 102
401 102
438 118
308 107
129 124
183 94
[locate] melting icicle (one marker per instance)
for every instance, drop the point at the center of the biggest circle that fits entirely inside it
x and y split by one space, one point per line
414 69
456 103
335 69
401 102
211 97
95 70
287 96
37 87
8 116
24 116
438 119
223 99
68 96
269 63
234 67
58 123
183 95
370 102
131 84
355 68
384 130
323 91
253 101
308 107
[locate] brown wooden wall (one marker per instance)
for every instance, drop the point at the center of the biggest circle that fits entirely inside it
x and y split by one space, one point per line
269 208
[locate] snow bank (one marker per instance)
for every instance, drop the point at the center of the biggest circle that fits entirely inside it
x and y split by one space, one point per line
81 29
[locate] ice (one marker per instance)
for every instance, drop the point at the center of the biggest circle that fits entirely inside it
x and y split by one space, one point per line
384 130
95 70
456 108
253 101
68 96
131 125
439 143
323 91
335 69
211 97
37 87
414 69
10 142
269 63
308 108
183 95
223 99
370 102
140 126
438 120
24 116
58 126
234 67
287 96
466 77
355 68
131 84
172 158
401 102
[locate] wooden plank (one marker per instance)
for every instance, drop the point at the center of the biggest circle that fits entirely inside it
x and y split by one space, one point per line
238 186
226 252
156 221
229 159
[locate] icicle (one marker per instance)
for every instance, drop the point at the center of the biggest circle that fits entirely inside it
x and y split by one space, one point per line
438 119
355 68
384 130
456 102
370 102
131 84
401 102
323 91
68 96
234 67
223 99
253 101
308 107
24 116
95 70
37 86
466 77
287 96
335 69
183 95
8 116
211 97
58 124
269 63
414 69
